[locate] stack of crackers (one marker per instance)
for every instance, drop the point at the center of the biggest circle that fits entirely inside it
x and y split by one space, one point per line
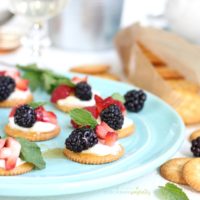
164 64
101 70
189 92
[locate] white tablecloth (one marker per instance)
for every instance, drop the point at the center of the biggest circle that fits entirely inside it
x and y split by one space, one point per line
142 188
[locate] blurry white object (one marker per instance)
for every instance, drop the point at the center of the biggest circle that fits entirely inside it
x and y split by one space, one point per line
87 25
184 17
37 12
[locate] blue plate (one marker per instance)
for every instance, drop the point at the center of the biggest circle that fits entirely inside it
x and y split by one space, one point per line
159 133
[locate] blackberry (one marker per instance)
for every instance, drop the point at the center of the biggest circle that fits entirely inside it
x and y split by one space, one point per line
113 116
134 100
7 86
81 139
196 147
83 91
25 116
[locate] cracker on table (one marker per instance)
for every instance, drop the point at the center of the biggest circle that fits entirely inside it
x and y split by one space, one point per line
172 170
194 135
168 73
191 173
90 69
183 85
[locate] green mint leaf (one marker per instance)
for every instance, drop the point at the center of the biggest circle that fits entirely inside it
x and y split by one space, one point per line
30 152
171 192
64 80
83 117
49 82
34 79
34 105
118 97
44 78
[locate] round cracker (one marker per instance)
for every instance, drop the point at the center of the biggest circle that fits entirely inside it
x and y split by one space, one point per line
109 76
21 169
12 103
191 173
125 132
90 69
92 159
32 136
189 107
195 135
172 170
168 73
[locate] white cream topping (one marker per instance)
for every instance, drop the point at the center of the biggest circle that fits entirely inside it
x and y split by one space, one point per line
19 162
37 127
19 94
103 150
74 101
127 122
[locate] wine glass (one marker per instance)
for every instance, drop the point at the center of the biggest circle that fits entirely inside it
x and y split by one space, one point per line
37 12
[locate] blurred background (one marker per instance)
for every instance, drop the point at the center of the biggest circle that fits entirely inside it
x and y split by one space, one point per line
86 27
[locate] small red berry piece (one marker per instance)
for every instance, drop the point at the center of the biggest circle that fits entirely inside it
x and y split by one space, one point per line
13 74
49 117
61 92
12 113
93 111
22 84
76 79
104 103
110 139
2 73
2 143
15 148
74 124
102 129
45 116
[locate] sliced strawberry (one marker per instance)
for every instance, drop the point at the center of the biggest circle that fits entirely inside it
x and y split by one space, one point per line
39 113
104 103
13 73
12 113
74 124
61 92
102 129
22 84
49 117
92 110
110 139
76 79
2 73
15 148
10 162
2 143
5 153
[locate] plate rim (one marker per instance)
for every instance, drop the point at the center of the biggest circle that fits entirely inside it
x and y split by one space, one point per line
152 165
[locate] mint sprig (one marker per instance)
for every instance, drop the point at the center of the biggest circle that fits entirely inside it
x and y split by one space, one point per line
42 78
171 192
83 117
30 152
35 105
118 96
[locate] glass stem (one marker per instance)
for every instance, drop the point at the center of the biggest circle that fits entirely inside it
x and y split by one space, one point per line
36 35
